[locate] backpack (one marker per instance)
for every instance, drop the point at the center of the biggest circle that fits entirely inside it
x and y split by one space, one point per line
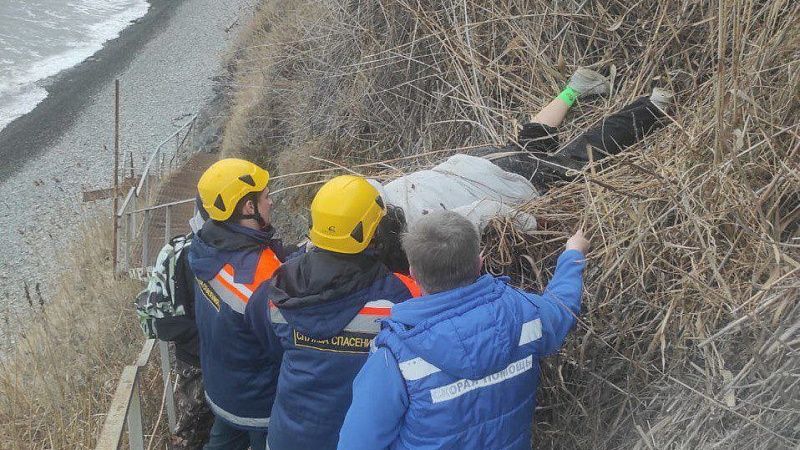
160 299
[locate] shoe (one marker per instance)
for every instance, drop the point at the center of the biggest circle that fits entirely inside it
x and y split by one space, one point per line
662 98
588 82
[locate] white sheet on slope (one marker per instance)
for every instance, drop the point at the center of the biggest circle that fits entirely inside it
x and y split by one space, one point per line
466 184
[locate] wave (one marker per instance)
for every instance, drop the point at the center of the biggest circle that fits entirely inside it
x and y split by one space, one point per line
20 88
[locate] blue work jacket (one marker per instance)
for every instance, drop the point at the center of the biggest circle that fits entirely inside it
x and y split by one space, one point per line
459 369
325 309
239 374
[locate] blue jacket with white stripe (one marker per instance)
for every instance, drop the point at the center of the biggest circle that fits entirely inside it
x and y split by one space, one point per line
459 369
239 374
325 309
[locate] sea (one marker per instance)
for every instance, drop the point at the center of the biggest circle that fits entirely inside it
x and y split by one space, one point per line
40 38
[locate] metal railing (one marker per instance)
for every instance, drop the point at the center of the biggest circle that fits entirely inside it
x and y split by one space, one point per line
126 405
132 222
132 225
143 271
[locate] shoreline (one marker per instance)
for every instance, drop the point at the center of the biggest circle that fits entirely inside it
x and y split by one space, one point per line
72 89
170 64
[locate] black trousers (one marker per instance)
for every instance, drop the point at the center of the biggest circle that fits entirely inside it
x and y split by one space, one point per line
544 161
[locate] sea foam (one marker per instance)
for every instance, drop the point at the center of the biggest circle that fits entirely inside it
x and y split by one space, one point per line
20 83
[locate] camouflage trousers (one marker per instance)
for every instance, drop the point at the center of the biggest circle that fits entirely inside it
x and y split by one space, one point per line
195 418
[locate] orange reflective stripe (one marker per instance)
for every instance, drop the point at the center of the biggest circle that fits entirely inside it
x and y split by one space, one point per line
232 288
384 312
382 308
411 285
268 263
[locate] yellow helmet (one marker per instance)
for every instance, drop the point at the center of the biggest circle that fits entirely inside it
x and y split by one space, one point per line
226 182
345 214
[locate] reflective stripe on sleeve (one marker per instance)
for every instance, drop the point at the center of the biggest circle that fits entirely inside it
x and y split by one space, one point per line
417 368
531 331
275 314
368 319
228 278
364 324
377 308
226 295
255 422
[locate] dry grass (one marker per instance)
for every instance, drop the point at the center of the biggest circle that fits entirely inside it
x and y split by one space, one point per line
689 337
56 385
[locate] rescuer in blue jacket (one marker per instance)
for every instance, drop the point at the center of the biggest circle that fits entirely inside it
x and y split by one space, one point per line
231 257
325 307
458 367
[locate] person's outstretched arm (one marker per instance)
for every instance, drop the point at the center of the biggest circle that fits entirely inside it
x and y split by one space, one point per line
560 303
379 403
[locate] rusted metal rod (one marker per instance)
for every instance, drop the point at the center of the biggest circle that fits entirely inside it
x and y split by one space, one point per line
115 223
163 205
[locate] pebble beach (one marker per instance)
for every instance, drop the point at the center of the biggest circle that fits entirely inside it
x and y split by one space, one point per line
166 63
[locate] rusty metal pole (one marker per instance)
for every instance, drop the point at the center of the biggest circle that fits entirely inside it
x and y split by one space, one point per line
131 165
167 225
146 238
719 101
115 232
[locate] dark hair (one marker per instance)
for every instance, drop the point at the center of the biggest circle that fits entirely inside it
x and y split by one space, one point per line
198 204
237 211
387 240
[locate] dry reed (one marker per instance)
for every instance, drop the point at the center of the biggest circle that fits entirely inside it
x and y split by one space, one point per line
689 336
56 385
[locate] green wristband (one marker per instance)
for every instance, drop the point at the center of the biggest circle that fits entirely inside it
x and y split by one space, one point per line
568 96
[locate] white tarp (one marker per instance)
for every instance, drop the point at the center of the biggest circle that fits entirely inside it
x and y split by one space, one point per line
466 184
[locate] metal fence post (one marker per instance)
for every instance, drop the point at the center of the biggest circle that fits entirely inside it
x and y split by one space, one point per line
115 235
158 162
127 244
146 240
135 431
131 237
167 224
163 348
115 238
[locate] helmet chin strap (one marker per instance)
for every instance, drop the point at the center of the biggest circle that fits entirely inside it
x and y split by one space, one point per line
262 224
